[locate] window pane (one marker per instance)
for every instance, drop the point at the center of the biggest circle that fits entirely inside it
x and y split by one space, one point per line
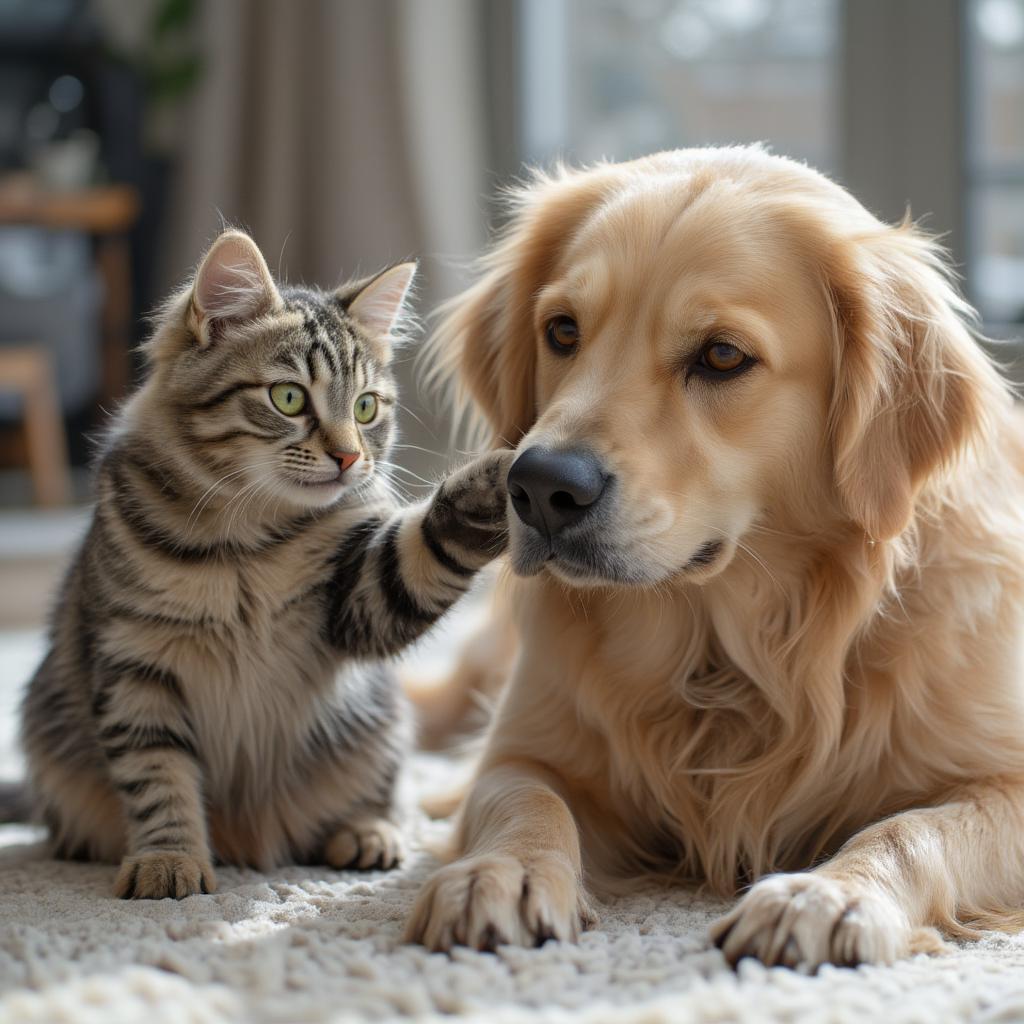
995 158
644 75
997 59
998 270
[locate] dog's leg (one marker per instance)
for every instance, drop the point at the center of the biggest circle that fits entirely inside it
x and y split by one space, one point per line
879 896
519 880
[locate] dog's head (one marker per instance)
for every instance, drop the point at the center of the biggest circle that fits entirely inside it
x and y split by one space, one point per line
701 344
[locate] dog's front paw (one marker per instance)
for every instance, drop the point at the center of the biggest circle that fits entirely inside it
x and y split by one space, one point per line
372 844
160 874
805 920
486 902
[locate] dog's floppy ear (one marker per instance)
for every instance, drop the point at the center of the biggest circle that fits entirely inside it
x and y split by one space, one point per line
485 340
912 385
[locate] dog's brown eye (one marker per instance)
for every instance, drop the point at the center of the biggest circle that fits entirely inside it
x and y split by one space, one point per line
722 357
563 334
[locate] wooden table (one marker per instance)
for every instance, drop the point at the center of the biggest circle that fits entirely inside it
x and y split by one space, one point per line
107 213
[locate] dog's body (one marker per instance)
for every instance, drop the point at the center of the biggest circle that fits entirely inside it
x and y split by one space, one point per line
769 515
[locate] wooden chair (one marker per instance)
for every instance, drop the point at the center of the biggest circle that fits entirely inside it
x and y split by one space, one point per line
28 372
107 213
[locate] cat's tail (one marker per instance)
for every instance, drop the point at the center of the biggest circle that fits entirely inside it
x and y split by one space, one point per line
15 803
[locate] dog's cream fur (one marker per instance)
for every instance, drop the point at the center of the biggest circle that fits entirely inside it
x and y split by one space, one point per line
841 689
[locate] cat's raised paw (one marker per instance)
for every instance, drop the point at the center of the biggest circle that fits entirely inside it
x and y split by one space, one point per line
477 492
373 844
163 874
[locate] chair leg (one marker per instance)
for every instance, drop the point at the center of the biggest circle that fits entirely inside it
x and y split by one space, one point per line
45 437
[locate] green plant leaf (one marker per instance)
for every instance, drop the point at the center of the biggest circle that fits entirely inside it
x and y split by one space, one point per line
171 80
173 16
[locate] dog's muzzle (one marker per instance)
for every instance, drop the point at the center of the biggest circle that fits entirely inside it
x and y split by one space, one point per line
553 490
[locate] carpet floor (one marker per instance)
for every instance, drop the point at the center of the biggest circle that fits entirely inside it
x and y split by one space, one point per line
314 945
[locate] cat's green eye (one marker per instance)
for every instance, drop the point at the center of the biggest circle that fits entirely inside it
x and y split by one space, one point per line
366 408
288 398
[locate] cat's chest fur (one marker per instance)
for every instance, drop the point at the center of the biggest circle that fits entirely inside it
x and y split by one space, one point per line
244 634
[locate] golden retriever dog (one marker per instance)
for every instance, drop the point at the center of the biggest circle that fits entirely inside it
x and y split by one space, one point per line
768 541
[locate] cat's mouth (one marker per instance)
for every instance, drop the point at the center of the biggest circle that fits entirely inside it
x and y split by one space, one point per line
324 489
318 483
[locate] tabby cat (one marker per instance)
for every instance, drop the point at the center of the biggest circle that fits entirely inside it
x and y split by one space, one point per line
214 688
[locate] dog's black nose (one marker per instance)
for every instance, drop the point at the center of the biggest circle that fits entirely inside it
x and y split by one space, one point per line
551 490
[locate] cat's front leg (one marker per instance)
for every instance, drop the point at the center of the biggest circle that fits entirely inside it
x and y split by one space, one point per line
395 577
151 751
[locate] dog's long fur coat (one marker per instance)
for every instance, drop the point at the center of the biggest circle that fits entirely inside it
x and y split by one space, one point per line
789 635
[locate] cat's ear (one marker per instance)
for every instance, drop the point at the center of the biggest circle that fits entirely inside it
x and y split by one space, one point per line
379 304
232 285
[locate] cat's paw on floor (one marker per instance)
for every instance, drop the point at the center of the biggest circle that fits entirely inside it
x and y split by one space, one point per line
160 874
372 844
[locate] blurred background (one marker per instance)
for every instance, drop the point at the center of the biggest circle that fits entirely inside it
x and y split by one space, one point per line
346 134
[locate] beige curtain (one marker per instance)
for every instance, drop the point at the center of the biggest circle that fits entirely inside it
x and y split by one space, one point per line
344 134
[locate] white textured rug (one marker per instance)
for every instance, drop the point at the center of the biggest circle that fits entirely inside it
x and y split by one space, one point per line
312 945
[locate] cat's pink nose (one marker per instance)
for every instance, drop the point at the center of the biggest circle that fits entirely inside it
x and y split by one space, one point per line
345 459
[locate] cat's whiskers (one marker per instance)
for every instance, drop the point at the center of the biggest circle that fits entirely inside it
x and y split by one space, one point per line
417 448
239 497
385 476
224 510
391 488
408 472
243 508
209 494
271 493
205 498
409 412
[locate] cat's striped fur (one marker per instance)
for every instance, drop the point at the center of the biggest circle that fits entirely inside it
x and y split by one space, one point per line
214 688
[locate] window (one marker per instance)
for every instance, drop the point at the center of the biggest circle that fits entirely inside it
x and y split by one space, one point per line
994 165
904 102
620 78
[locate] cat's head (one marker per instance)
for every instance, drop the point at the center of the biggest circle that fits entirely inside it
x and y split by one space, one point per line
289 390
